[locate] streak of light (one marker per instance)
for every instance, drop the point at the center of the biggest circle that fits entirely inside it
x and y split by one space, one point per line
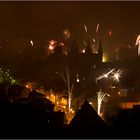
85 28
97 28
84 43
104 75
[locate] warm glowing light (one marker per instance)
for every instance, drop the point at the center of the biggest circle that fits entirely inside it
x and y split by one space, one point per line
52 45
73 111
104 59
90 103
47 97
83 51
27 86
77 80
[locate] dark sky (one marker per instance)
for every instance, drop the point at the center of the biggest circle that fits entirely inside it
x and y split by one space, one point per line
48 19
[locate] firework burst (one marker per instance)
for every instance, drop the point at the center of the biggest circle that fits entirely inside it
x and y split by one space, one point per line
66 33
116 75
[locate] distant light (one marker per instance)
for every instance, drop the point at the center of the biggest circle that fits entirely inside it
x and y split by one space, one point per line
83 51
77 80
83 78
90 103
64 107
73 111
110 33
119 92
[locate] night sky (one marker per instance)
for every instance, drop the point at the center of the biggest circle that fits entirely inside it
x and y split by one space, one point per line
47 20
